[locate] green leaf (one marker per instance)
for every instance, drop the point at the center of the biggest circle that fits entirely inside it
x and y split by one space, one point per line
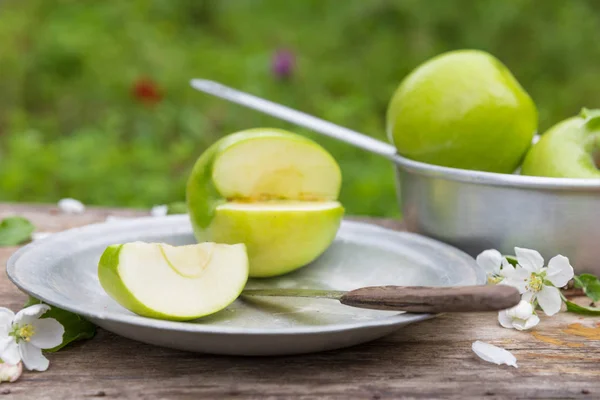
178 207
76 327
15 230
512 260
577 309
590 285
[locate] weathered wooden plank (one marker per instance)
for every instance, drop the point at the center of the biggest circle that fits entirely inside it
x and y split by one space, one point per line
432 359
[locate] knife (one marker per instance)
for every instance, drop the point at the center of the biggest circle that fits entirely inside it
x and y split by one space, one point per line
417 299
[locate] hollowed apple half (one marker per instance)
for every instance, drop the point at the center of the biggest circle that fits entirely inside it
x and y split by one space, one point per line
272 190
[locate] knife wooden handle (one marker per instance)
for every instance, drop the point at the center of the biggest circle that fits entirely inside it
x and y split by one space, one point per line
424 299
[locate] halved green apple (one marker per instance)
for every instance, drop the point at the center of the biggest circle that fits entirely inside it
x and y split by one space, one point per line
177 283
272 190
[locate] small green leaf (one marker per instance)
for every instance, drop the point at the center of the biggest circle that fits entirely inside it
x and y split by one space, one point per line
512 260
590 285
15 230
178 207
577 309
76 327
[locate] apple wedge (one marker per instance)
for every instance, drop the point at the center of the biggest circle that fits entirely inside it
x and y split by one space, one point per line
177 283
272 190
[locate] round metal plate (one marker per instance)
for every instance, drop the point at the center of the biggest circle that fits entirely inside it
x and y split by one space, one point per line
62 271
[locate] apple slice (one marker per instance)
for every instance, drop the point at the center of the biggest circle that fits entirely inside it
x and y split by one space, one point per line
272 190
177 283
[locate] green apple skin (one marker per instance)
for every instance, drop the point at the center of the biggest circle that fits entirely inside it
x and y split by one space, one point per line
261 230
108 274
112 282
277 242
566 150
462 109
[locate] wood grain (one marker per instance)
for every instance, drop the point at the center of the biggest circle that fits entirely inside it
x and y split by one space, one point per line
560 359
433 299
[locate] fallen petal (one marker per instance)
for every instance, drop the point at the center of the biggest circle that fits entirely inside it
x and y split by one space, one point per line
10 372
494 354
159 211
71 206
40 235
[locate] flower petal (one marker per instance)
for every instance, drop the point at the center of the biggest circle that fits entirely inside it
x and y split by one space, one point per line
549 299
494 354
9 351
529 296
531 260
505 320
523 310
10 372
531 322
559 271
31 313
32 357
6 319
516 277
159 210
490 260
71 206
48 333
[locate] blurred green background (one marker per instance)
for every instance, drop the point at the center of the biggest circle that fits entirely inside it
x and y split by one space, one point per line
95 102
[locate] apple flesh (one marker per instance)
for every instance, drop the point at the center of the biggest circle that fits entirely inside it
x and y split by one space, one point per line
570 149
462 109
270 189
181 283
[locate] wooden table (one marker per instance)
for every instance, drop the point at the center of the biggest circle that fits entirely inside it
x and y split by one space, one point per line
431 359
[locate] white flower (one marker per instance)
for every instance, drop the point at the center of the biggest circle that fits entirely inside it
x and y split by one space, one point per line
23 336
494 264
520 317
159 211
494 354
10 372
538 283
71 206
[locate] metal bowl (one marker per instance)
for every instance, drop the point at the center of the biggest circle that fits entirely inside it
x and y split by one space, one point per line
475 210
471 210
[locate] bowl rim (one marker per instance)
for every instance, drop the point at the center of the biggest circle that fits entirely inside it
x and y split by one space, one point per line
494 178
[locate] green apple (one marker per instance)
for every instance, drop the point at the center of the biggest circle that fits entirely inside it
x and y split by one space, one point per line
462 109
180 283
270 189
570 149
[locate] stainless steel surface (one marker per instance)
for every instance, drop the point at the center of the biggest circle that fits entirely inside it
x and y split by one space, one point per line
62 271
476 210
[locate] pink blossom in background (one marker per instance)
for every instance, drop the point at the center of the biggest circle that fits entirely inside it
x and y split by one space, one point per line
283 64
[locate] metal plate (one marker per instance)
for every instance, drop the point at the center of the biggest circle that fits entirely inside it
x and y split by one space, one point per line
62 271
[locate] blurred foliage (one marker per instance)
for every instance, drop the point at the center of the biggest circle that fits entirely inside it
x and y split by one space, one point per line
72 126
